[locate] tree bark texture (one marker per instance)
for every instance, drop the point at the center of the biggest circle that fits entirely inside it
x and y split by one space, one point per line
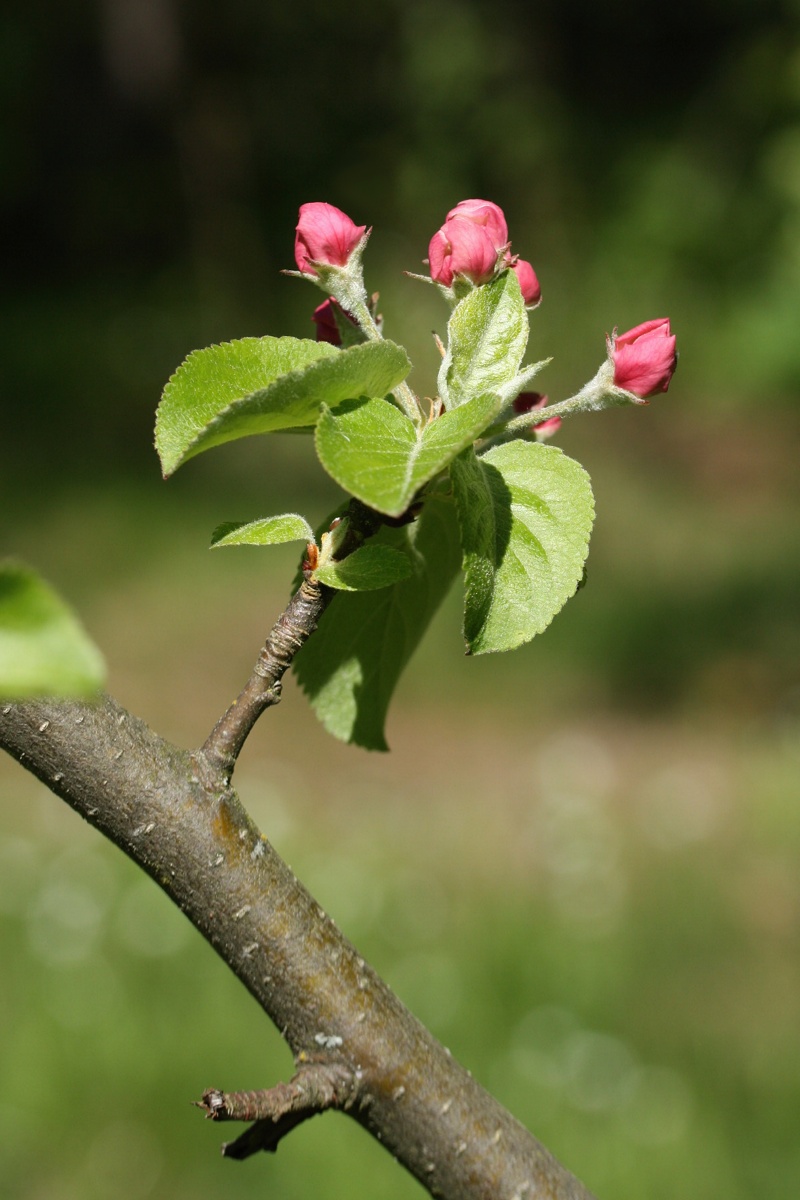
355 1046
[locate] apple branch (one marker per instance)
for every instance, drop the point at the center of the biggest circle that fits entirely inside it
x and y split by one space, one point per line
291 630
294 626
194 838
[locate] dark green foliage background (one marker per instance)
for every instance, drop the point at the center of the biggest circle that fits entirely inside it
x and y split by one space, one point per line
603 824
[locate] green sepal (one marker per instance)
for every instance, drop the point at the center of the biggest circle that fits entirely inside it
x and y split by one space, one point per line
350 667
487 336
367 569
525 512
44 651
264 385
270 531
378 455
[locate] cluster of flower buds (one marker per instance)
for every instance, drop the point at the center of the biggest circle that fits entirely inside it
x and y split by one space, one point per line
470 249
473 244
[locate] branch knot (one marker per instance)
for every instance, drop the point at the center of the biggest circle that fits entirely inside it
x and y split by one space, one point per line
278 1110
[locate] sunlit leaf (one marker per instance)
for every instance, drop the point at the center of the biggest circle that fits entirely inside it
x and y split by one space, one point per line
270 531
377 454
526 513
263 385
487 336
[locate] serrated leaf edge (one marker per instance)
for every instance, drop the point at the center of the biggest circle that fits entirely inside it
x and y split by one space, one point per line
582 542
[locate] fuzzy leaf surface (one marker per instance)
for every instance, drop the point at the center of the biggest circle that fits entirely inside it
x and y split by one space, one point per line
263 385
366 569
377 454
350 667
44 651
487 336
525 512
270 531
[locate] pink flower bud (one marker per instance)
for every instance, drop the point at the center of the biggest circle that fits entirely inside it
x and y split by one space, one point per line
546 429
324 234
529 402
325 321
528 283
533 402
461 247
644 358
487 214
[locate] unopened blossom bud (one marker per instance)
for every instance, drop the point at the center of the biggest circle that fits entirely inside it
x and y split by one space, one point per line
487 214
325 320
534 402
325 235
528 283
461 247
546 429
529 402
644 358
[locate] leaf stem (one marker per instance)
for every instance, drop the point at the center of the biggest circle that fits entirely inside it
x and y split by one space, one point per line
346 285
595 396
403 394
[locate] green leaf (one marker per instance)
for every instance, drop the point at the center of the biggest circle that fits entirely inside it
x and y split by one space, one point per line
366 569
526 513
261 385
377 454
44 651
487 336
350 667
271 531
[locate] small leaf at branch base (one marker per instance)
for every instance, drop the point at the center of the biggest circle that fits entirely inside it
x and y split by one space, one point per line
270 531
44 651
350 667
526 513
376 453
366 569
262 385
487 336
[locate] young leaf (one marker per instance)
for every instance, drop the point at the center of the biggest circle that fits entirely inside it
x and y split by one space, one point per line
43 649
261 385
526 512
377 454
487 336
366 569
350 667
289 527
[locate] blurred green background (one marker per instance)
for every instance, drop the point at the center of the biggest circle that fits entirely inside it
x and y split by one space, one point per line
580 863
